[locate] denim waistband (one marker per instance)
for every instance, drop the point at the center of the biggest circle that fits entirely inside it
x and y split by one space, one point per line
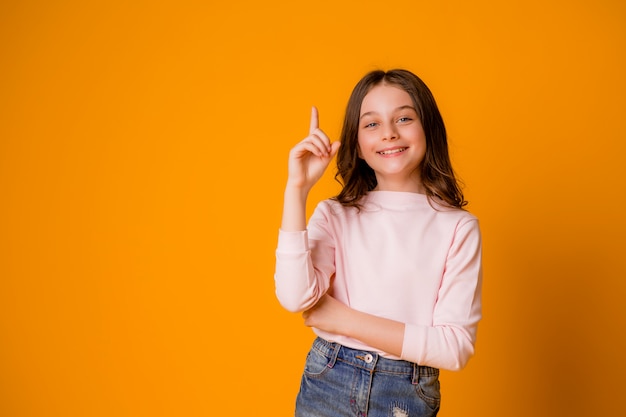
370 360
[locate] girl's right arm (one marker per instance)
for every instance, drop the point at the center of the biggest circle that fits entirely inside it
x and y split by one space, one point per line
303 269
307 162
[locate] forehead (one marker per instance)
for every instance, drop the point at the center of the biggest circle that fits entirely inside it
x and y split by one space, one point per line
385 97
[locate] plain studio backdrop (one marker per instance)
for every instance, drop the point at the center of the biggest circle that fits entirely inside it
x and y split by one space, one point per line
143 154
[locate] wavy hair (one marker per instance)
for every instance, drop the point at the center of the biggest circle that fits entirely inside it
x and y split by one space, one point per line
437 175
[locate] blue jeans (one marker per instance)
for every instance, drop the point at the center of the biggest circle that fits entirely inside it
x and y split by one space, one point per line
339 381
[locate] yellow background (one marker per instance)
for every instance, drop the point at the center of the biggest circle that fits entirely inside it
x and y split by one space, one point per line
143 150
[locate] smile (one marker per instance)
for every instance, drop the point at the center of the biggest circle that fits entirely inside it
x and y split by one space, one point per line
392 151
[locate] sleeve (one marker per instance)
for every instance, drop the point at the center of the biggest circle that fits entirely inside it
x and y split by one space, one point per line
449 342
305 262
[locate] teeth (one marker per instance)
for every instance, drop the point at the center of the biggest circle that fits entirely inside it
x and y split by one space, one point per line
392 151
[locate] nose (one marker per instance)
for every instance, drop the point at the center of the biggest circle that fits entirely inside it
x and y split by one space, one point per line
390 132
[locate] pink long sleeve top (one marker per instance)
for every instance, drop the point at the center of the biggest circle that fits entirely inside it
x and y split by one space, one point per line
399 258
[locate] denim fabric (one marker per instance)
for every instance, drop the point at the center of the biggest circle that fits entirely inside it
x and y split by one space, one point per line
341 382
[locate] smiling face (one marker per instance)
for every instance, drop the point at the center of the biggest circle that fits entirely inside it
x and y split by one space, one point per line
391 138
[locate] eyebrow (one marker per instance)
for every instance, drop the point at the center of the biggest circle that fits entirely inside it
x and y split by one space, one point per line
395 110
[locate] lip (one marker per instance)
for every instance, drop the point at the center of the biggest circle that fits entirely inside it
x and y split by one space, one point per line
392 151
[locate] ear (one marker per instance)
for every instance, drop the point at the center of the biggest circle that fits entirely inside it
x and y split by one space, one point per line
358 151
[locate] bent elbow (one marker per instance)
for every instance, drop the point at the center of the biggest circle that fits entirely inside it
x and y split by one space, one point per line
291 306
458 364
295 304
461 358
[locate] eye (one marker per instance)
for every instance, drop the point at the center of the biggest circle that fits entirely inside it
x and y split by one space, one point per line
404 119
369 125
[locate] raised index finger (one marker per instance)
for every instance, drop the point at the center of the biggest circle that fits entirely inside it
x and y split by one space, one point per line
315 120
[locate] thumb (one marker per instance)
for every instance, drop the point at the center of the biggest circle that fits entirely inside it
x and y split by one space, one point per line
334 148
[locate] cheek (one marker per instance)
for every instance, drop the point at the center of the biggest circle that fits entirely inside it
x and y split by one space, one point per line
366 140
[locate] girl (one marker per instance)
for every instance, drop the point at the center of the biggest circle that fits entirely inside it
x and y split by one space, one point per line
388 272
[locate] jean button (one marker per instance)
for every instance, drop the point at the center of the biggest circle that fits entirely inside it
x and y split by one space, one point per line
368 358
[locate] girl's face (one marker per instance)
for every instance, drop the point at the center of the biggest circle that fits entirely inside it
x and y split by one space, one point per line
391 138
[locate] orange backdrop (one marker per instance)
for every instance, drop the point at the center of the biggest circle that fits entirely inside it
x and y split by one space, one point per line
143 150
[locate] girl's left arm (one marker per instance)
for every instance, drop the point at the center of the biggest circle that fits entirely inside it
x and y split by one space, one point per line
449 342
335 317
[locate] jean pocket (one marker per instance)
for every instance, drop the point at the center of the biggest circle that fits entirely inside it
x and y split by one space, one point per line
316 363
428 390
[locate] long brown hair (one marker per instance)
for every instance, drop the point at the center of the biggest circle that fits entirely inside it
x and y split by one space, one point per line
357 178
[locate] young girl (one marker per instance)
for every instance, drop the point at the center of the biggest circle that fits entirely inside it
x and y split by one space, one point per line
388 272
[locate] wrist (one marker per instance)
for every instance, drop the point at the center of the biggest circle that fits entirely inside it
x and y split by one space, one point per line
294 208
295 190
350 322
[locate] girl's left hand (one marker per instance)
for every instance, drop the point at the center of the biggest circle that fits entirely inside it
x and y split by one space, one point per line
327 315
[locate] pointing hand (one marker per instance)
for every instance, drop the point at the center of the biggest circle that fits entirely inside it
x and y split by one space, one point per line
310 157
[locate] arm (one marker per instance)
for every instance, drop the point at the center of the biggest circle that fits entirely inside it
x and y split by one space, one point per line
333 316
297 286
449 342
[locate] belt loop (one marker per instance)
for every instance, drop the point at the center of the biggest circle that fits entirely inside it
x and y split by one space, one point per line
416 374
333 354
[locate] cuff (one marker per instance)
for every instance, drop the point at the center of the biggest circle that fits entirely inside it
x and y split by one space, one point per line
293 241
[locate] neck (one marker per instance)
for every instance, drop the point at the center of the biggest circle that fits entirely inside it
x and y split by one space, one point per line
410 185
